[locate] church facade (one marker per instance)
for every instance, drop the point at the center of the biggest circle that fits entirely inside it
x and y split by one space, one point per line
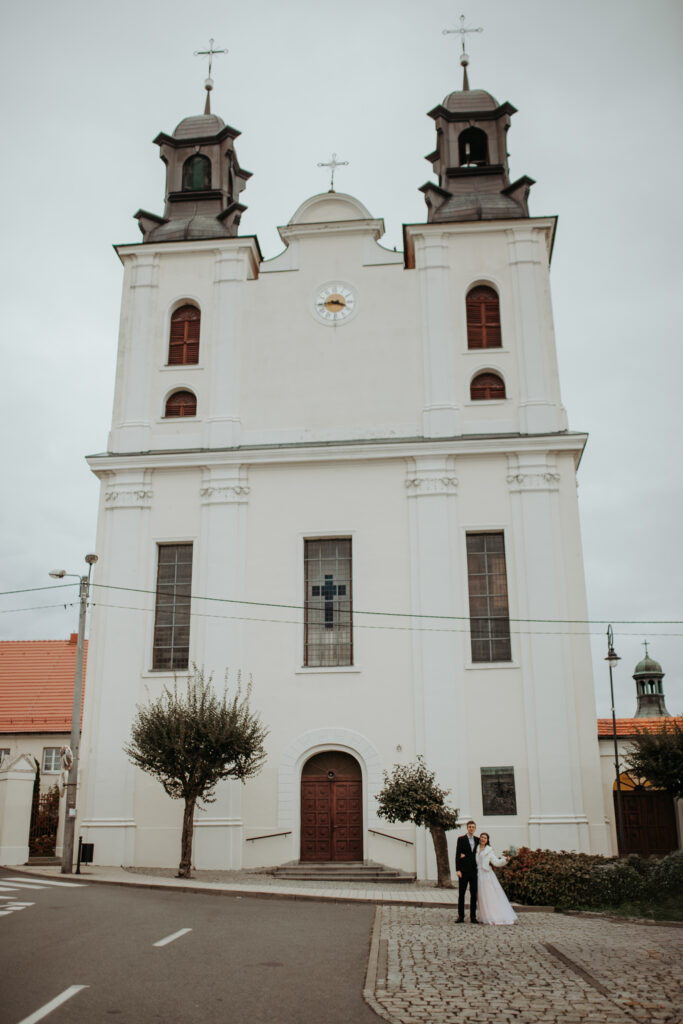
347 472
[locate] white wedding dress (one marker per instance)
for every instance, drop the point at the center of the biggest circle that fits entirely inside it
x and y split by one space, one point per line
493 906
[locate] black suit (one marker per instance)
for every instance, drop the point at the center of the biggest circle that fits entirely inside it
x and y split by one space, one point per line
466 863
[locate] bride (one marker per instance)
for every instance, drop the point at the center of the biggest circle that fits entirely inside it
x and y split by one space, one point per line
493 906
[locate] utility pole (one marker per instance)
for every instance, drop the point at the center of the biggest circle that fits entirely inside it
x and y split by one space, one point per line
72 783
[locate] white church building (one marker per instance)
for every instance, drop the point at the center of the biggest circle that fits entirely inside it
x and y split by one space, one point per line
346 471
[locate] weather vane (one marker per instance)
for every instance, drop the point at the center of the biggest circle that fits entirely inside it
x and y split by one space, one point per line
462 32
333 164
208 84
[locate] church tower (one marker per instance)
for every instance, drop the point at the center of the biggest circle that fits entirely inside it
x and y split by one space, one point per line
346 471
648 677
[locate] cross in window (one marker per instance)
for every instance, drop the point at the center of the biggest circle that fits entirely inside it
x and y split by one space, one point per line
329 591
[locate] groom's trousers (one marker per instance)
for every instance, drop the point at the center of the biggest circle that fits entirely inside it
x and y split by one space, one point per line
468 878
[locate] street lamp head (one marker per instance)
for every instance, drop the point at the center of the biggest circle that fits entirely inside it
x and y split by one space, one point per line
612 658
91 559
58 574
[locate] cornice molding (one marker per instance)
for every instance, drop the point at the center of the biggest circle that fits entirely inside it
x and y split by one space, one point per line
342 451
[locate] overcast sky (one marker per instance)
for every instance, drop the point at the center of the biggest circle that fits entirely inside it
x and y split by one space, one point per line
598 87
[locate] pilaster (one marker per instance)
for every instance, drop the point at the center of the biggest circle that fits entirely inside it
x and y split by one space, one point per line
557 818
431 488
119 639
223 424
441 416
539 395
132 424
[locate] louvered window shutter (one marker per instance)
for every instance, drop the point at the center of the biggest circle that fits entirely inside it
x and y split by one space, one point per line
483 318
181 403
487 386
183 349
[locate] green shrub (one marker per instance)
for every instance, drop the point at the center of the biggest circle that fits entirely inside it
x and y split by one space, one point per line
562 879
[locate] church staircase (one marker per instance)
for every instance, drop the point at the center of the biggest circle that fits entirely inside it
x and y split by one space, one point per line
341 871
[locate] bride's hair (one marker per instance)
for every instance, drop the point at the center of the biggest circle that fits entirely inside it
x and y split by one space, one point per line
488 843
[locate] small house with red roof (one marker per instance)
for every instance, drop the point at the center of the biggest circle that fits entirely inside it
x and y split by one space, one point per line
652 820
36 698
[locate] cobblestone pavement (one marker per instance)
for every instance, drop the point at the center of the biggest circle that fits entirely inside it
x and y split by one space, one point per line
548 969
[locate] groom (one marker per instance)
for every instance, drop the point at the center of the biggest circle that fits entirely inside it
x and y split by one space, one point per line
466 870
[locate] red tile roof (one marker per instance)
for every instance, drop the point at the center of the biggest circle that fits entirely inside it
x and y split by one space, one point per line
630 726
37 684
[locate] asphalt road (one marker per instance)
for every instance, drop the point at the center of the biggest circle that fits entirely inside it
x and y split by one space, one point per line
244 960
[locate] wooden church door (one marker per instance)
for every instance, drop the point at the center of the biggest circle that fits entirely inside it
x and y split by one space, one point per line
331 808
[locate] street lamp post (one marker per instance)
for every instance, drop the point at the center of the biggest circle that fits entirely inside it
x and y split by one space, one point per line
613 660
72 783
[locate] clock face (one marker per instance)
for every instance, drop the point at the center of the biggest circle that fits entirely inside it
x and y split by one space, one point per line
334 303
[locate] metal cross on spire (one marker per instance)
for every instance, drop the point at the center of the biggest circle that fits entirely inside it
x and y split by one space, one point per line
208 84
333 163
644 644
464 58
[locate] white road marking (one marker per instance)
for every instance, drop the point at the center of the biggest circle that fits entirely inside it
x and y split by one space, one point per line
45 881
8 888
22 885
4 913
19 906
53 1004
169 938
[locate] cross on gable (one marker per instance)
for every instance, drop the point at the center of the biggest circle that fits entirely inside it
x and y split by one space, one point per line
333 163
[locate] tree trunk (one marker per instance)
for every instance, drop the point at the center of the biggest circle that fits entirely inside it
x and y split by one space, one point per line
185 868
443 868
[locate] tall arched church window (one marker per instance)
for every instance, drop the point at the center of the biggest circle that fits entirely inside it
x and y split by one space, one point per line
483 318
196 173
181 403
473 148
487 386
183 346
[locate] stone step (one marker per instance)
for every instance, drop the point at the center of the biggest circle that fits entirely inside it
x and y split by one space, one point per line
340 871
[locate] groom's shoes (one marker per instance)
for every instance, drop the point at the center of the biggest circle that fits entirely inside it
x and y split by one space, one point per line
460 920
474 921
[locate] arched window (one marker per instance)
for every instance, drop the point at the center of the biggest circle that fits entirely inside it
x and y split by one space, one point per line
183 346
181 403
483 318
486 386
473 148
196 173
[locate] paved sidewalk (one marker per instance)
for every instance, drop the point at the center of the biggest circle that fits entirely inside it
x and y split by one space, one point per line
262 885
548 969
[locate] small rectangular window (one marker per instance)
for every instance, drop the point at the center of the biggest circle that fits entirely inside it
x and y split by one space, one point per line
4 755
498 791
328 628
51 760
489 613
172 617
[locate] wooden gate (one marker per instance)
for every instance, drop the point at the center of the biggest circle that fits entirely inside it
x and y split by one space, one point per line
649 822
331 808
44 822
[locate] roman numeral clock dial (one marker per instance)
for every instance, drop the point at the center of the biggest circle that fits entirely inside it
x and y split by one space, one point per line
334 303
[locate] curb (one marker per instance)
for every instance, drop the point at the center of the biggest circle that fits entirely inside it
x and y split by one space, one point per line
372 971
262 894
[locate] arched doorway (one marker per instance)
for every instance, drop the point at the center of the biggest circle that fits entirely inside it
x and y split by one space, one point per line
331 808
649 818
